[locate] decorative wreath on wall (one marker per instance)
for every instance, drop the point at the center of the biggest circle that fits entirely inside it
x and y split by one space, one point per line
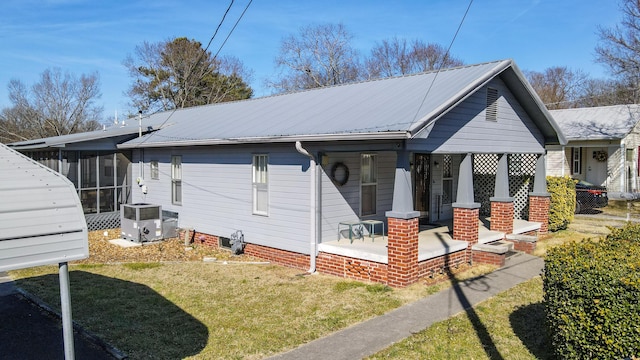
600 155
339 173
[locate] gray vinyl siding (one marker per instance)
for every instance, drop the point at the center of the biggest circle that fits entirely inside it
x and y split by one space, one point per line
342 203
465 128
217 193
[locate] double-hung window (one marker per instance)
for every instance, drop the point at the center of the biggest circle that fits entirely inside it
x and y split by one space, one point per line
368 184
260 184
153 169
176 179
576 160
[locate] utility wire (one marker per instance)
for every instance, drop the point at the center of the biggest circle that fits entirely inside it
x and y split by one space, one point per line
204 52
444 58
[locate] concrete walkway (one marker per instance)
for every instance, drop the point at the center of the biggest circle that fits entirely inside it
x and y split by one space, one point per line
374 335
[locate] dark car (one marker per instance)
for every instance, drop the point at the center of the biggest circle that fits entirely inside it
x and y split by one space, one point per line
590 196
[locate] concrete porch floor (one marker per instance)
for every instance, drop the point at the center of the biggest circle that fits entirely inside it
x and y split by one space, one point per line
433 240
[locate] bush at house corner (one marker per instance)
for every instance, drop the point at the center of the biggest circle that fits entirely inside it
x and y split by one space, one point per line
563 201
591 292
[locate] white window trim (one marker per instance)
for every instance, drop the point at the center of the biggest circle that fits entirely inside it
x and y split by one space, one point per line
375 184
154 170
175 180
260 185
576 160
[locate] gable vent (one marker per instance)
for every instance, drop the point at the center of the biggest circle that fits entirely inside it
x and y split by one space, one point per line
492 104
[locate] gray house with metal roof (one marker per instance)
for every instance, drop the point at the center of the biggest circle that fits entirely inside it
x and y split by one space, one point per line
295 172
91 161
306 176
603 146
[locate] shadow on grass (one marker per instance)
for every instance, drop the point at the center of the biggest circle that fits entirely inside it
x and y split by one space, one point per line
479 284
528 322
130 316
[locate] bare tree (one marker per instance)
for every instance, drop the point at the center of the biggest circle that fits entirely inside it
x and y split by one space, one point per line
320 55
619 47
393 57
179 73
559 87
58 104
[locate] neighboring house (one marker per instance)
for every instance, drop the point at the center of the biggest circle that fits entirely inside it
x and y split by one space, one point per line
300 173
99 171
603 146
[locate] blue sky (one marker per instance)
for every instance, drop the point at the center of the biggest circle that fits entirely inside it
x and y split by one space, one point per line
82 37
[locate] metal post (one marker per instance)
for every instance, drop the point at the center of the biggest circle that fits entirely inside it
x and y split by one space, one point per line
65 305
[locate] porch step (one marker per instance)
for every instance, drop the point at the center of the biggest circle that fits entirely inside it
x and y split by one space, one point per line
497 247
521 237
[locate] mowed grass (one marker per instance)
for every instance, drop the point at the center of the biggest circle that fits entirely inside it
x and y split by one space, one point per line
211 310
200 310
507 326
510 325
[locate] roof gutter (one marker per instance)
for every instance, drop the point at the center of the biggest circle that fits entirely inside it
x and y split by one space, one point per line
313 206
388 135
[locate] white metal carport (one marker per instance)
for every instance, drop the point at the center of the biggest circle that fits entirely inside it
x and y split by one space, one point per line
41 223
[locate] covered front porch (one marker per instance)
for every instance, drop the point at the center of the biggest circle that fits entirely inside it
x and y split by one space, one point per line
414 247
434 240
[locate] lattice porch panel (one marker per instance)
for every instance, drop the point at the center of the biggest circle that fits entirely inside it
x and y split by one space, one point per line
103 221
522 169
484 180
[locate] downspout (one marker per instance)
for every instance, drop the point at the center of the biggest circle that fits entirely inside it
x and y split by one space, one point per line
313 207
564 158
623 170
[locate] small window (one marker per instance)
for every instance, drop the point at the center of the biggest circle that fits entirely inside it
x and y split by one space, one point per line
260 184
176 180
153 169
368 184
629 155
576 160
492 104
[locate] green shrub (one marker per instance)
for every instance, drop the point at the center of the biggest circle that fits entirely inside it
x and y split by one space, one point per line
592 292
629 232
563 201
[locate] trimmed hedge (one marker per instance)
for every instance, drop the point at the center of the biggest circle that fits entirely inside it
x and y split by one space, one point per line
563 201
592 296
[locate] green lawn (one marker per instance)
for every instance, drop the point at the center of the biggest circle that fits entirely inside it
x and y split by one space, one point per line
507 326
206 310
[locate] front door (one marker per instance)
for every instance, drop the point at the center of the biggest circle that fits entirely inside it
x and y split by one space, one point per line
421 179
597 166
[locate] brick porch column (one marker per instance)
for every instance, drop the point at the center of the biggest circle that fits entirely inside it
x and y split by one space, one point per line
465 211
501 203
539 210
540 199
465 224
402 247
502 216
402 252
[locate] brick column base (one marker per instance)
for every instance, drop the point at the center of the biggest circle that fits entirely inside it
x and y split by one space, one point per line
465 227
502 216
402 252
539 211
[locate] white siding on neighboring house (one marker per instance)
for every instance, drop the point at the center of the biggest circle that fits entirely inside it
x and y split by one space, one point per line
557 164
466 129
